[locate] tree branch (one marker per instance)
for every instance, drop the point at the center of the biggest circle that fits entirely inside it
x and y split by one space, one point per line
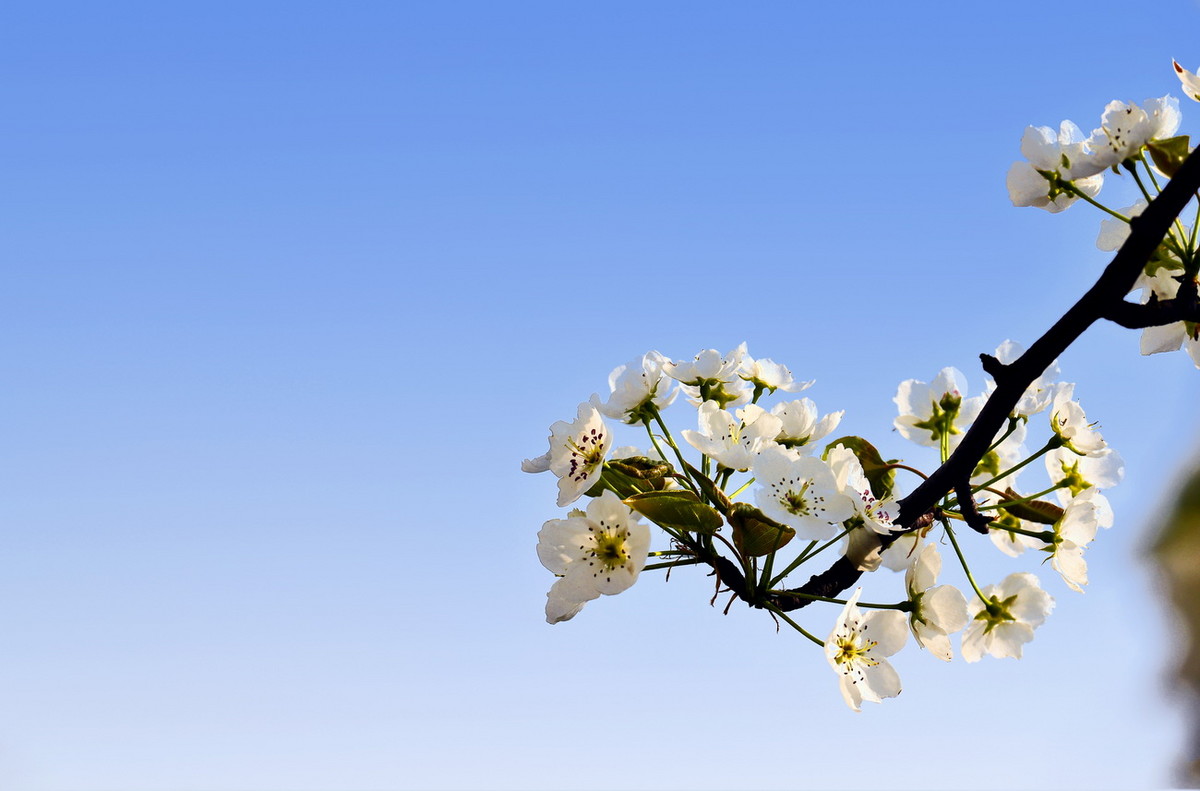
1104 300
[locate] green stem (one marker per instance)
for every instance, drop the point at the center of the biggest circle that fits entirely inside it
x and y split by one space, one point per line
1019 500
1051 444
906 606
963 561
1045 536
683 466
913 470
1141 185
672 564
1012 426
794 564
793 624
740 489
1078 193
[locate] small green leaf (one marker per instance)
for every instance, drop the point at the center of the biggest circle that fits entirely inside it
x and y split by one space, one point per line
1038 511
879 474
711 490
1168 154
680 509
755 534
642 468
624 485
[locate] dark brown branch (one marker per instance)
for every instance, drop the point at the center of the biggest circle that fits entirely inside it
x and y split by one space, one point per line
966 504
1183 307
1104 300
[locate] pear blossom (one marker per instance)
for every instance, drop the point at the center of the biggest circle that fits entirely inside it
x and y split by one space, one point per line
733 442
576 455
939 410
877 515
1126 128
801 493
1074 531
1076 473
1005 622
600 551
1068 421
856 650
765 374
1191 83
937 612
711 376
801 428
638 388
1053 158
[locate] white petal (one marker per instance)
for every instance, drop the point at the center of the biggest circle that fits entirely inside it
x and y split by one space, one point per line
945 606
883 680
888 628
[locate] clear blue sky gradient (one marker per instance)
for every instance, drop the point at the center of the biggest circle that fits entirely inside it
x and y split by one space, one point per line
290 289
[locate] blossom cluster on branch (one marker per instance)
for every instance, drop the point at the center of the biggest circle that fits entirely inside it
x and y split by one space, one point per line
760 486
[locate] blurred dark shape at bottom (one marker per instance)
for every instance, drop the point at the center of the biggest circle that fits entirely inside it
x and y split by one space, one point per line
1177 553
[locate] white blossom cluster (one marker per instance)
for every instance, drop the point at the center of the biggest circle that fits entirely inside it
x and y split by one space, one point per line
1063 167
756 487
777 463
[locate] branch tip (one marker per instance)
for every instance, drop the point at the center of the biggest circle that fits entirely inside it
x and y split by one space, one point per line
993 367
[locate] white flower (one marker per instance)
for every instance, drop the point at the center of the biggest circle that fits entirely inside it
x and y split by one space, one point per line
576 455
800 493
878 515
1191 83
1126 128
769 375
600 551
1074 531
939 611
1013 610
1068 421
1052 156
734 443
1102 471
638 387
929 412
711 376
801 428
856 649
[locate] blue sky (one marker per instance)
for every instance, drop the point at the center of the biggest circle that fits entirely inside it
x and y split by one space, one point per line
290 289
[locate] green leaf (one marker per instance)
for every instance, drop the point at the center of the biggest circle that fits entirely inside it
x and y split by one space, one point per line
755 534
1168 154
1039 511
879 474
681 510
